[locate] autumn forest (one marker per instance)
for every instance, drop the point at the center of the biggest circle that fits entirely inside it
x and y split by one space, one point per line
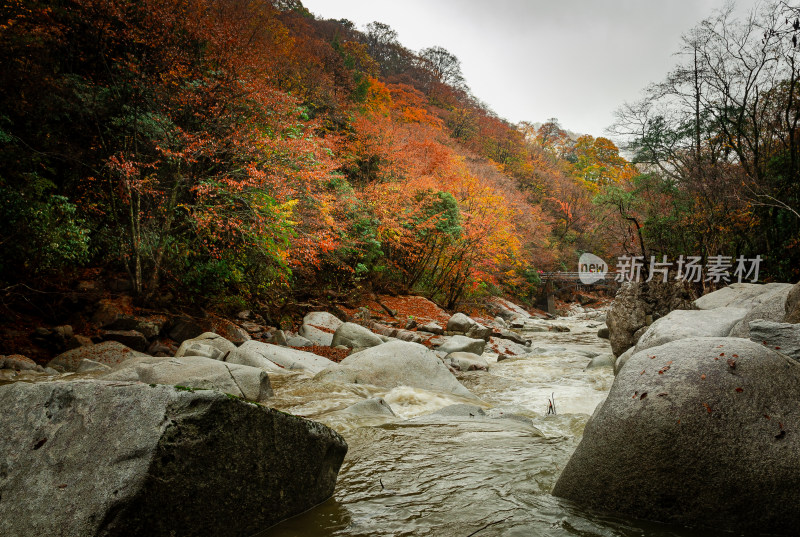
246 153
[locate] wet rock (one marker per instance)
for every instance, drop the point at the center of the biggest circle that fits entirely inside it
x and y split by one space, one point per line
128 454
681 324
462 344
466 361
131 338
375 406
318 327
209 339
354 336
699 439
603 333
267 356
782 337
197 372
604 360
111 353
393 364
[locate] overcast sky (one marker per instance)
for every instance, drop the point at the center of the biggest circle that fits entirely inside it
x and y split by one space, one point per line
531 60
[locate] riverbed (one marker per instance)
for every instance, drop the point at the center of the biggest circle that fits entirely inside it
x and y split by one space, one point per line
421 474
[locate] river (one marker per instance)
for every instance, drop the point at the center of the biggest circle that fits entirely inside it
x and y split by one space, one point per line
429 475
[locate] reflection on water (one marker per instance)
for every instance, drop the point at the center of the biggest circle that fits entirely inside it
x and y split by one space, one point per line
427 475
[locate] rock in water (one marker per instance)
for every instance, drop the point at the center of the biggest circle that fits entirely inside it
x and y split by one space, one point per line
462 344
90 458
708 435
393 364
466 361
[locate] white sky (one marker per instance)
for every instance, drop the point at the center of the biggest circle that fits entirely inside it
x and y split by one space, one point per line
531 60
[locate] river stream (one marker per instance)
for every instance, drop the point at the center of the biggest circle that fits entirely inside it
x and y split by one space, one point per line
428 475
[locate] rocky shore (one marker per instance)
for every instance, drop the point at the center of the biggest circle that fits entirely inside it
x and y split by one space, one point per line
152 412
702 426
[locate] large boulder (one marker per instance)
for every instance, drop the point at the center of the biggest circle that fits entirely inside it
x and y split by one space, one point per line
208 339
464 325
250 383
782 337
681 324
462 344
110 353
636 304
466 361
397 363
354 336
737 295
90 458
704 434
319 327
768 306
266 356
793 305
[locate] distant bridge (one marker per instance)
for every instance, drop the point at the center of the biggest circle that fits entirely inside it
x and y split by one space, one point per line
562 283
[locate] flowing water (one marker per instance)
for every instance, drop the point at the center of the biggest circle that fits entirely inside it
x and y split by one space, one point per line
428 475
